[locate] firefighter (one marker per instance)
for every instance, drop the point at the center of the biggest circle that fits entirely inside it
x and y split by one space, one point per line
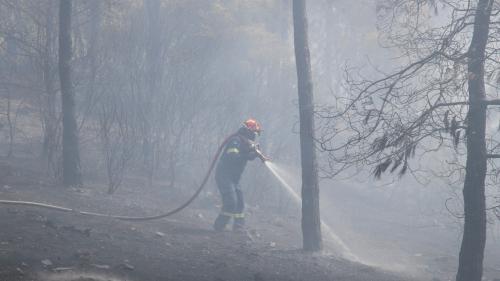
240 148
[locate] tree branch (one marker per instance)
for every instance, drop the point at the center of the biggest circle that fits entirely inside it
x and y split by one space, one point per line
492 102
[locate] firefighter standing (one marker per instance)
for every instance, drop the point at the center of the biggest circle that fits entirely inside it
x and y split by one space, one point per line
240 148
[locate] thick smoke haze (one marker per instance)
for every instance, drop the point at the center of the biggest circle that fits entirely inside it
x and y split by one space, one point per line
159 84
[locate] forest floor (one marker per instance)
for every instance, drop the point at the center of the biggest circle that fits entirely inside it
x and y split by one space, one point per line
46 245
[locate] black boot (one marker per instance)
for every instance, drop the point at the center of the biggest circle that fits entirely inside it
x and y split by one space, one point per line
239 224
220 222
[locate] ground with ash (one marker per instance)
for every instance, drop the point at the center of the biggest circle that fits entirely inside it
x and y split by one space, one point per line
45 245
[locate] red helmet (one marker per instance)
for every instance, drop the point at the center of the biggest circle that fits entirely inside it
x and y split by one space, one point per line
252 125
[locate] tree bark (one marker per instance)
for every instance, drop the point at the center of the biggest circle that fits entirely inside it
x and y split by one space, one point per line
49 99
311 223
11 124
71 154
470 267
152 80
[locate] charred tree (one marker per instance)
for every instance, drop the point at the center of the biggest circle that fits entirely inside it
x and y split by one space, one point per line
70 149
311 223
51 139
152 81
438 96
470 267
95 21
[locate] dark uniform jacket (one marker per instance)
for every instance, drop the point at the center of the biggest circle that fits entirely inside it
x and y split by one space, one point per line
235 156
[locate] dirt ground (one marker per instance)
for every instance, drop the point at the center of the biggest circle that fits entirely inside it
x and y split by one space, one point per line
45 245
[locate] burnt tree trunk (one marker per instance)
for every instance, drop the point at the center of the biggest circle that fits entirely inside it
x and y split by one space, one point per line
11 124
95 21
470 267
71 154
311 223
49 99
153 73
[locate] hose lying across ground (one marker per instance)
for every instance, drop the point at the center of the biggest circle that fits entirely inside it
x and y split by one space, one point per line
159 216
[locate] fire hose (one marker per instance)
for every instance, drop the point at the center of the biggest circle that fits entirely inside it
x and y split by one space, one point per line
130 218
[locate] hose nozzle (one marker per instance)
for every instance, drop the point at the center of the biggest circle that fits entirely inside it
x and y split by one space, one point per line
261 156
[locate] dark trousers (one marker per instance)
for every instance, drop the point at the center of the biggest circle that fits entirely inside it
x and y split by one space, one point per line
233 205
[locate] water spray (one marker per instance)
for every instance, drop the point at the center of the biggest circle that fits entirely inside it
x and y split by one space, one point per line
345 251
